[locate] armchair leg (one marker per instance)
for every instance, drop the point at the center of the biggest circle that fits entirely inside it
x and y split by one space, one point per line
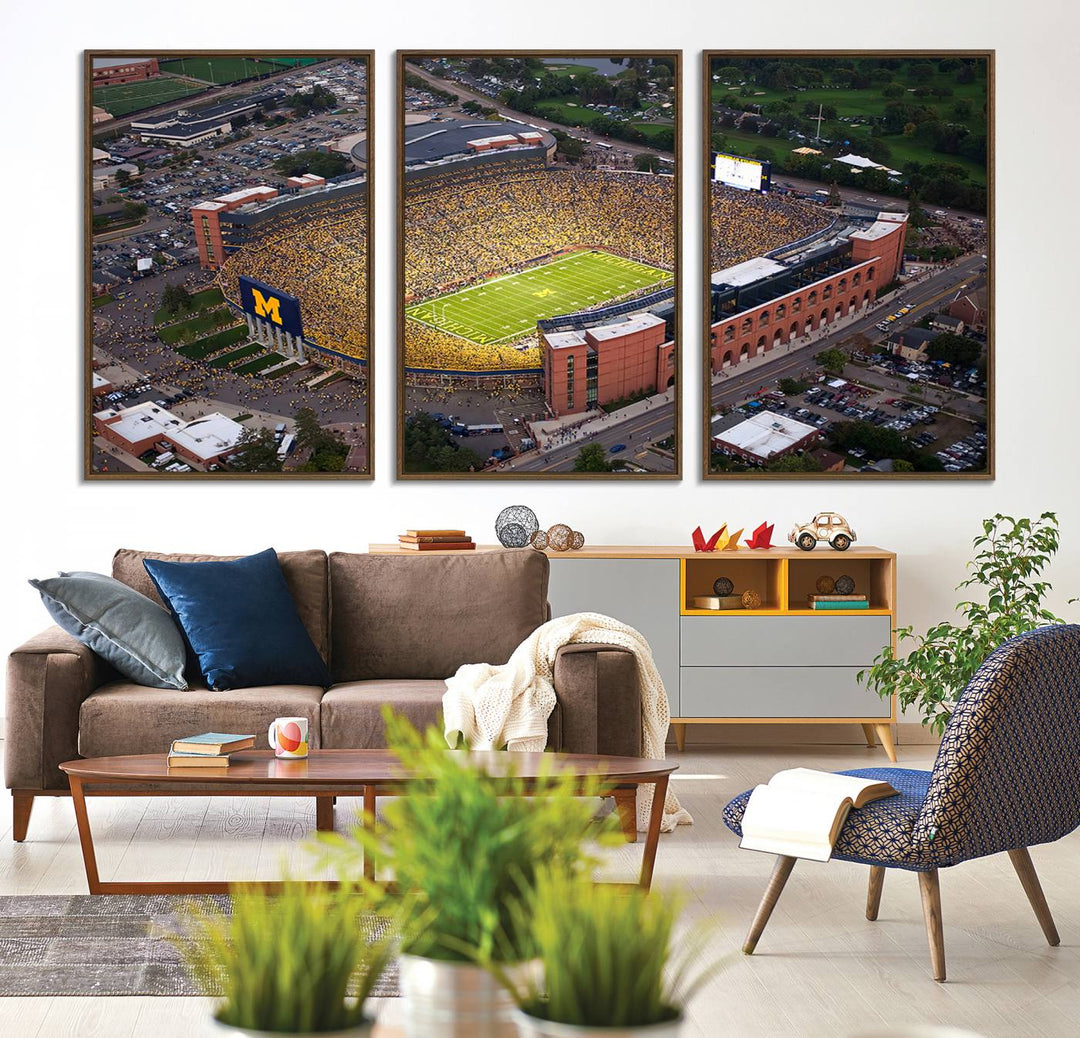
21 806
1021 860
781 871
931 904
873 892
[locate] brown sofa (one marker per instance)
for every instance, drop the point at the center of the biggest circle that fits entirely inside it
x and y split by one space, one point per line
391 629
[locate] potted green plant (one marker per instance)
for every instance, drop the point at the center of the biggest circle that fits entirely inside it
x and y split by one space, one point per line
298 962
465 849
606 961
1010 557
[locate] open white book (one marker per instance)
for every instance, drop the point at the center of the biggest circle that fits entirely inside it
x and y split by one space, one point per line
801 811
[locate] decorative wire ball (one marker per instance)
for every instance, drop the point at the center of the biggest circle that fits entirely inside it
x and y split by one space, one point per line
723 586
560 537
845 585
539 540
577 542
515 526
751 599
825 585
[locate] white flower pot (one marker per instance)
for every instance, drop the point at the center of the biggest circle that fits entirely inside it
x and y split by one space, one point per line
361 1030
452 1000
534 1027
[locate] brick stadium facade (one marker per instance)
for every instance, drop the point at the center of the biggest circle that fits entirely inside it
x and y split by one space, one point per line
594 366
113 71
206 218
759 317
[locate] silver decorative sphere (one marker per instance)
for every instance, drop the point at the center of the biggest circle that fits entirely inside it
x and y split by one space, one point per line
515 526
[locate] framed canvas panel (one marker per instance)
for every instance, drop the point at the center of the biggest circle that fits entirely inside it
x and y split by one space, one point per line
849 263
228 281
538 263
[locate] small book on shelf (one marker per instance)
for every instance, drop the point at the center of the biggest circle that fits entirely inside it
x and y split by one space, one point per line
801 811
212 744
458 545
717 602
197 760
824 603
453 534
433 538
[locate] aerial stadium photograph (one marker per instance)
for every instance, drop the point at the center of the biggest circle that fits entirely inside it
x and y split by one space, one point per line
228 259
538 257
848 206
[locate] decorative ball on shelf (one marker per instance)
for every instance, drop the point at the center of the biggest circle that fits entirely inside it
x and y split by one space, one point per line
560 537
825 584
515 526
577 542
751 599
845 585
539 540
723 586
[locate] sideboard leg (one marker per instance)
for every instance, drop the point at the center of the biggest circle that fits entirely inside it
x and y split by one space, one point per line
680 736
884 732
871 739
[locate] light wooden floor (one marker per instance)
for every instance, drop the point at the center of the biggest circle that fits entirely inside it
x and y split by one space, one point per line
820 969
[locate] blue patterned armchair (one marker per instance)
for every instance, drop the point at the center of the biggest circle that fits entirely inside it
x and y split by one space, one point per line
1006 777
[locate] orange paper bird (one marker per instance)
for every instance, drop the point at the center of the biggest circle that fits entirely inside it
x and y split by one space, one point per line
700 544
762 537
733 541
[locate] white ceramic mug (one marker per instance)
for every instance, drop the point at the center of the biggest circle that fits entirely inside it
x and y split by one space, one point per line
288 737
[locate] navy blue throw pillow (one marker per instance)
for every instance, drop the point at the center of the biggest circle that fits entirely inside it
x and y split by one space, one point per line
241 621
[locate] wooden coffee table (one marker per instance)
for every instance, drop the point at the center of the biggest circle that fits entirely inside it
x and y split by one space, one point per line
327 774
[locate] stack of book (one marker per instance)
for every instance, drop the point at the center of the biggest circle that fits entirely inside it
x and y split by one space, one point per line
838 601
436 540
209 750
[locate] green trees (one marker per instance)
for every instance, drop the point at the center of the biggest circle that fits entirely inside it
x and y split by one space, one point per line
430 448
954 349
832 360
256 451
592 458
646 163
321 163
328 451
176 300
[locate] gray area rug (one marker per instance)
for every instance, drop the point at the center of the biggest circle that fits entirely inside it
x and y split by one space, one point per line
109 944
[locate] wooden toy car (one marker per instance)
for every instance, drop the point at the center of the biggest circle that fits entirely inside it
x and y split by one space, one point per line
825 526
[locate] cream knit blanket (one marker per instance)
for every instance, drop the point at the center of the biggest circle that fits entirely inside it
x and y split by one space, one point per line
494 706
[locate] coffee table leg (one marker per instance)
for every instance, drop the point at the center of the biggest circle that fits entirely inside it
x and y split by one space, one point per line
369 822
324 814
86 838
652 837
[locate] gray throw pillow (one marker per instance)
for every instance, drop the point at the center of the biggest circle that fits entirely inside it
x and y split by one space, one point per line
136 635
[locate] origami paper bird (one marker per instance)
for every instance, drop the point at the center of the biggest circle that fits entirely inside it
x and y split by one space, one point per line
700 544
733 541
761 537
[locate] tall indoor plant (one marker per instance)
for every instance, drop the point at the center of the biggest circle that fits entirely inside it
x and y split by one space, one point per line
465 848
298 962
1007 599
608 965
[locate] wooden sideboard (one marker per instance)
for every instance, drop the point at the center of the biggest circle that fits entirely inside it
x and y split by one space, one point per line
780 663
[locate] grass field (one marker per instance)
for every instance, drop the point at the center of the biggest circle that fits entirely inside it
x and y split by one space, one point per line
222 69
125 98
202 300
506 308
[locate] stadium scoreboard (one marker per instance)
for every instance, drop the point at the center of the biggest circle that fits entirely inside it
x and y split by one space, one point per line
265 303
736 171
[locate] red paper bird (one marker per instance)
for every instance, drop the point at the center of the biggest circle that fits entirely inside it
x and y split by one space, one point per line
700 544
762 537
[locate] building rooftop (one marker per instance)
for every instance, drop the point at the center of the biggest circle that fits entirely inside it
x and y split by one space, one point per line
634 323
114 62
883 225
765 435
209 436
561 340
747 272
205 437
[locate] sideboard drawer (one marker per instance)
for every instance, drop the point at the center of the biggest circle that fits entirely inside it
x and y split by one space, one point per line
784 641
778 692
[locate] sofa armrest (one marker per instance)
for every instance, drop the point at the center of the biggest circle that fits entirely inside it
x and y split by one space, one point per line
599 699
47 680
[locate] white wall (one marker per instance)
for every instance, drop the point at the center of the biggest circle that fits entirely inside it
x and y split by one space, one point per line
56 521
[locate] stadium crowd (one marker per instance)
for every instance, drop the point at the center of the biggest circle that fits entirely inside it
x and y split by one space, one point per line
746 224
317 254
467 224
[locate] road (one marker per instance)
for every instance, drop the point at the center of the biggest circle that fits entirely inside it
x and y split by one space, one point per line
463 93
883 202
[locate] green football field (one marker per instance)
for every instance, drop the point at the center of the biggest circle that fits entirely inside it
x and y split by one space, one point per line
222 69
506 308
125 98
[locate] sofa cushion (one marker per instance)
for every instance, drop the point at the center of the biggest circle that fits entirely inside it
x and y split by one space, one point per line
352 712
396 616
304 571
122 718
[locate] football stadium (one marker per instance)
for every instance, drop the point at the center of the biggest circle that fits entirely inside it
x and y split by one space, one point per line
496 241
308 242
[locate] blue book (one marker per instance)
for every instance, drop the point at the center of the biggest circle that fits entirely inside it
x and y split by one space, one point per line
212 744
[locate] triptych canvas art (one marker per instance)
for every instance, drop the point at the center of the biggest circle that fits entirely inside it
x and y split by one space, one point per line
846 280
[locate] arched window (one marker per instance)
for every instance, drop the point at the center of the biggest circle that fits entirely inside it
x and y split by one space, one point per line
811 299
827 293
870 274
796 305
824 316
729 333
747 324
763 318
781 312
857 280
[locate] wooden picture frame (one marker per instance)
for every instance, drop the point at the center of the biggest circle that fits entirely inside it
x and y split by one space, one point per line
750 310
533 467
348 452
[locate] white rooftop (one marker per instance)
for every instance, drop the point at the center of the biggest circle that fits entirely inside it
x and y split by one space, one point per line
98 381
883 225
205 437
244 192
560 340
502 138
635 323
862 162
765 435
209 436
140 421
747 272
